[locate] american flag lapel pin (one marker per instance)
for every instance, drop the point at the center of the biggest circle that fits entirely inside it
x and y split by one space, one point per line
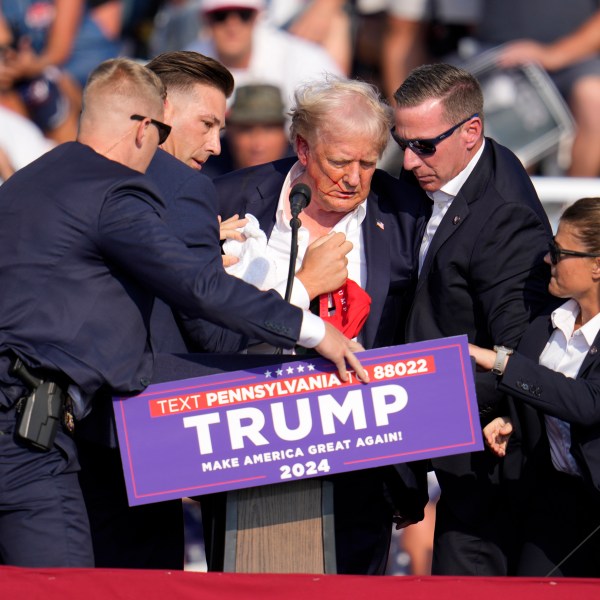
380 225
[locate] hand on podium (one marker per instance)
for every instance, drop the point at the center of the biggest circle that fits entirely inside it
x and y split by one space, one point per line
340 350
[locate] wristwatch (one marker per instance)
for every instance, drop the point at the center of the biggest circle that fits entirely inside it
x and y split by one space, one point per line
501 353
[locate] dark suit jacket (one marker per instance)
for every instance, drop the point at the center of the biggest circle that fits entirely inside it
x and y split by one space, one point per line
576 401
84 250
191 214
390 233
483 276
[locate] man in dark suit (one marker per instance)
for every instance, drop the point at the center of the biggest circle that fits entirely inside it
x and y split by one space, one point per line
151 536
84 251
481 273
339 130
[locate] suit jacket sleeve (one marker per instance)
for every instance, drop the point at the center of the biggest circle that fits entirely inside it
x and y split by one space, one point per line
132 233
510 286
573 400
192 218
576 401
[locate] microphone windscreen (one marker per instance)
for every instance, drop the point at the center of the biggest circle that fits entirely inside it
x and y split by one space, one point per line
299 190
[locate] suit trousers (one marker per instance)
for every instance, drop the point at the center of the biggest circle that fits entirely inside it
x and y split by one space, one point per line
563 528
555 532
43 520
150 536
483 549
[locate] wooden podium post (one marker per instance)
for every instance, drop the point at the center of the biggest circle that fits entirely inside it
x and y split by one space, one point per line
281 528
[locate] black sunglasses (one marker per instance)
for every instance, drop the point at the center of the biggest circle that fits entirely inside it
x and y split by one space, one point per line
427 147
220 16
556 252
163 129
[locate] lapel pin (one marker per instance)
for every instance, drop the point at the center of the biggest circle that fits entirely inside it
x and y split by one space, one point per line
593 350
380 225
456 220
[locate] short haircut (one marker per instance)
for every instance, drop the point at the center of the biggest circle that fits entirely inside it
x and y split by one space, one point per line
182 69
584 216
458 90
323 104
124 79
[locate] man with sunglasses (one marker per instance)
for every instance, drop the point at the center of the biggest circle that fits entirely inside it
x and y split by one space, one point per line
481 273
255 51
197 87
84 250
72 224
152 536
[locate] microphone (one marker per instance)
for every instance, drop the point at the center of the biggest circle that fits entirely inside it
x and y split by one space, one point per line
299 199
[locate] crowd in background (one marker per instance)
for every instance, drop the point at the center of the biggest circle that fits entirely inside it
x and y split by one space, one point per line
48 48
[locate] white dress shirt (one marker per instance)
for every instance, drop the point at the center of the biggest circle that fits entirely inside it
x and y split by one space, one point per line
278 246
277 253
565 351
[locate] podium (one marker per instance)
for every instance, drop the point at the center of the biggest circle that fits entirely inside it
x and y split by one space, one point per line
281 528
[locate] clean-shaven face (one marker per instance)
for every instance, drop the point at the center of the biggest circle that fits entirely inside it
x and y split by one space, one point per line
197 117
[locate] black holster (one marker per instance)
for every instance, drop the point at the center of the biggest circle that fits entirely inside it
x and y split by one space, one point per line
40 412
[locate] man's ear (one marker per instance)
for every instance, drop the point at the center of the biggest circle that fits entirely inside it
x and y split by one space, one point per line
302 150
474 131
596 269
168 117
141 132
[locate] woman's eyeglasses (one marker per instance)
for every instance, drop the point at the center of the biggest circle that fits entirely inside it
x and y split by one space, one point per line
556 252
427 147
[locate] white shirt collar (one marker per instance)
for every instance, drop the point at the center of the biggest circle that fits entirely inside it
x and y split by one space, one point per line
564 317
448 191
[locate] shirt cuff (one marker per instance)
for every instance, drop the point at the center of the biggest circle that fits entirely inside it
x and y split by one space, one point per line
312 331
299 294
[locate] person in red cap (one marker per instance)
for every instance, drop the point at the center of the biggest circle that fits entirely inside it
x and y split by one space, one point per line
339 130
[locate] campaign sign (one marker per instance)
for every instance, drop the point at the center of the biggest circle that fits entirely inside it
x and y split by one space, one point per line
298 419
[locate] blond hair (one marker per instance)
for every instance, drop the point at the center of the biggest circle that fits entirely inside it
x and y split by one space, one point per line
348 105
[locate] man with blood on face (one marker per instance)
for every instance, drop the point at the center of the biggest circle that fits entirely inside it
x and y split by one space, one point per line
339 129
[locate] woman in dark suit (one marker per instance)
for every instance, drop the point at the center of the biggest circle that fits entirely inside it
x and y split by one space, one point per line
556 370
